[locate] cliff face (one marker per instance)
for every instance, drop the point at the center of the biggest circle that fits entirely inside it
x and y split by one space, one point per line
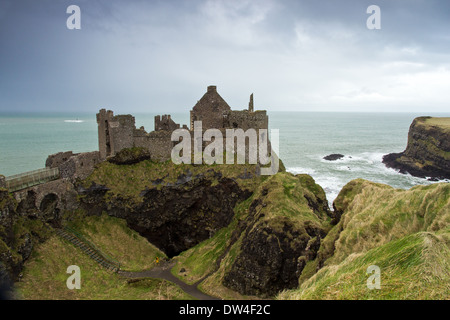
265 248
428 151
173 218
269 227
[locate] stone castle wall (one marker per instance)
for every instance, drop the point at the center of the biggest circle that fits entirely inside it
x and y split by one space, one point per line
165 123
55 160
79 166
114 132
73 165
118 132
245 120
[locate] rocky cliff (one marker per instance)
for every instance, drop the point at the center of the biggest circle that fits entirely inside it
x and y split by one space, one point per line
240 234
428 150
176 217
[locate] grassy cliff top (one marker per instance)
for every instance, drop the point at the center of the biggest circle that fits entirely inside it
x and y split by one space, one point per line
130 180
440 122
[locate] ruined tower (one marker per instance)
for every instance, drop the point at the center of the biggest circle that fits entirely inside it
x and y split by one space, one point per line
114 132
209 109
250 104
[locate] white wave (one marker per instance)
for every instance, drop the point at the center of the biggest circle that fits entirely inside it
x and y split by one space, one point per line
299 170
74 121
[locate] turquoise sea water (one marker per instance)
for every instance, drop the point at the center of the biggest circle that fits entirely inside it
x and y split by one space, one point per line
305 138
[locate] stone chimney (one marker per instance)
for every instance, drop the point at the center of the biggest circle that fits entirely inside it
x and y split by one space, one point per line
250 104
212 88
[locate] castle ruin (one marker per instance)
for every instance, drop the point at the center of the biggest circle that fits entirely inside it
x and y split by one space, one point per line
117 132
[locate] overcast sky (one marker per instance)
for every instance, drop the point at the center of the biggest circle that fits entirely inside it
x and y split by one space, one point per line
159 56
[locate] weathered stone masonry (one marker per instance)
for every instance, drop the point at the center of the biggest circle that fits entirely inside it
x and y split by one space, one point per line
118 132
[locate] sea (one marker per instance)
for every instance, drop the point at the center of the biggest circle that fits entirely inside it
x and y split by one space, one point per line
304 139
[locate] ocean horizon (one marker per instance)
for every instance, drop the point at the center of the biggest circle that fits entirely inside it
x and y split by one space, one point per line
305 138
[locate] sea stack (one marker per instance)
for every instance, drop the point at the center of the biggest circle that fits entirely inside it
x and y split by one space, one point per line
428 151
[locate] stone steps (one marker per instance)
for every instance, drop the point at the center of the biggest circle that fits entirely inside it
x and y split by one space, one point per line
88 248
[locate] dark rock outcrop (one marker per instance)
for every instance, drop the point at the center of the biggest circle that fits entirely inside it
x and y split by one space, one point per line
428 150
130 156
333 157
17 237
273 256
275 248
174 217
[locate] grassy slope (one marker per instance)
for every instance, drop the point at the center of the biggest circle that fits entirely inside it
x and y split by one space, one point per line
45 276
285 198
113 237
405 232
413 267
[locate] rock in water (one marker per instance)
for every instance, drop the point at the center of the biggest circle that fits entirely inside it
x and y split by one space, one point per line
333 156
428 151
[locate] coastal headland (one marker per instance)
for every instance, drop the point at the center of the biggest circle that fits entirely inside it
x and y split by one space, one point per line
224 229
427 154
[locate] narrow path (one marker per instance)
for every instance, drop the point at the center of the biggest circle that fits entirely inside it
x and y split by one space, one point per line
162 271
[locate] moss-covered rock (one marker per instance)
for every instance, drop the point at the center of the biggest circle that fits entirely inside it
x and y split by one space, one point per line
130 156
174 216
18 235
264 249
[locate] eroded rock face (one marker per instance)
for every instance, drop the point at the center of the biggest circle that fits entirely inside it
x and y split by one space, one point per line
174 218
427 153
276 247
273 256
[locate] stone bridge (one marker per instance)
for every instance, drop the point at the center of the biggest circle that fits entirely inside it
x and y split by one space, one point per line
51 190
41 192
30 179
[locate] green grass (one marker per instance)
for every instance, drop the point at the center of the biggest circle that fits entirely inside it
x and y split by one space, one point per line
113 237
440 122
377 214
44 278
414 267
44 274
129 181
404 232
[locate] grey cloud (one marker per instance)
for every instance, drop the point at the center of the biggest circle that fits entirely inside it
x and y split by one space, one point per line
160 55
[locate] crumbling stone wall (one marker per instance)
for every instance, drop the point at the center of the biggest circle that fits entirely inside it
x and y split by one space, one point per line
79 166
118 132
73 166
158 142
245 120
114 132
165 123
55 160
